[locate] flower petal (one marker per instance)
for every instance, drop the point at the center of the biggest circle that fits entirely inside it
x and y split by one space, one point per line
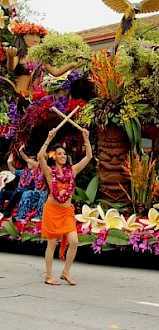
101 212
86 210
94 213
98 227
156 206
131 219
81 218
136 226
115 222
111 213
86 224
152 215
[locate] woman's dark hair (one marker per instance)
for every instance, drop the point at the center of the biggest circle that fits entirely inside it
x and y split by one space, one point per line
51 161
21 46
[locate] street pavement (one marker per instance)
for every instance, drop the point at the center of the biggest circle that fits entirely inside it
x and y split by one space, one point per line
105 297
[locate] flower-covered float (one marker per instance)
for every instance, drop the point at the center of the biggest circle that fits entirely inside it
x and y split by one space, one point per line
117 99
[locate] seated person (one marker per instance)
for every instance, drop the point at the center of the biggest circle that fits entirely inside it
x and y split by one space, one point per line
26 181
33 199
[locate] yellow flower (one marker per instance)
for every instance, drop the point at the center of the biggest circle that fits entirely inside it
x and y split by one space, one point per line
88 216
5 3
8 3
109 220
152 221
130 224
2 18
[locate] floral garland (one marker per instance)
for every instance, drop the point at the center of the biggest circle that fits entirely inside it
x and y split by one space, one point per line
26 179
39 178
66 177
28 28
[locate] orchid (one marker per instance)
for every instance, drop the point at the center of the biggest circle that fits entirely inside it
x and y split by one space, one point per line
152 221
111 219
130 224
88 216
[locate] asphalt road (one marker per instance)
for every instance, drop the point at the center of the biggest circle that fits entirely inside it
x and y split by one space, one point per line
106 297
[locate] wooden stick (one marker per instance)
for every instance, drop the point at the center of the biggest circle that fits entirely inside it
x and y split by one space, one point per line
69 120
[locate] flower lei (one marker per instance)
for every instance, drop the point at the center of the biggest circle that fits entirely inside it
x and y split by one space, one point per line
39 178
26 179
66 177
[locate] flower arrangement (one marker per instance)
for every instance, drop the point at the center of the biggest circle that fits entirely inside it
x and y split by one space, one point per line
103 231
19 28
143 180
59 49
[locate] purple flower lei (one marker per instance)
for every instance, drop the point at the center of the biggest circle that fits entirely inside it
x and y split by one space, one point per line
66 177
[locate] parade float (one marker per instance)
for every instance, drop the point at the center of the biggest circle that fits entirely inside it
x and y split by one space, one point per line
116 198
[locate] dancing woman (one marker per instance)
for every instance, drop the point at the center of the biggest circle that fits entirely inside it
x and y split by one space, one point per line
58 214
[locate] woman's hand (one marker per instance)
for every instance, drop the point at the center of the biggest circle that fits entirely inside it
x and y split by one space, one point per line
10 51
52 134
85 134
10 158
77 63
21 148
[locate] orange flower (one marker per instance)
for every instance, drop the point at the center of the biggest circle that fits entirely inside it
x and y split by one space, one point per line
28 28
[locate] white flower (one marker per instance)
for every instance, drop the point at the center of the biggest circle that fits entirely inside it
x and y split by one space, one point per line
152 221
130 224
111 219
88 216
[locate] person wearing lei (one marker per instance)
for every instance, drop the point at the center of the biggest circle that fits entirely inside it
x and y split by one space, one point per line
33 199
29 35
58 219
26 182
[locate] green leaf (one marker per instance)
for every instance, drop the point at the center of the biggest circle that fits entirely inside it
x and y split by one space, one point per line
27 237
81 194
10 228
117 237
84 239
92 188
108 247
130 133
153 240
3 232
117 206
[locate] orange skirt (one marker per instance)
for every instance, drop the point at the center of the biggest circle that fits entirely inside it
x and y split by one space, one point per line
57 220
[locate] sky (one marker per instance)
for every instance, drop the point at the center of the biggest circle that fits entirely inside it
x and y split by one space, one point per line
76 15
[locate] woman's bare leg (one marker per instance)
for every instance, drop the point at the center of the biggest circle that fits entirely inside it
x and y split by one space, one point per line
70 256
49 256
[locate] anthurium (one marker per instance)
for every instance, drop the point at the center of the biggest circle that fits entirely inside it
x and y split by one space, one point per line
110 219
152 221
130 224
88 216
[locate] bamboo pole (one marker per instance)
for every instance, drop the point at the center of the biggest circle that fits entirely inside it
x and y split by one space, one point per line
68 118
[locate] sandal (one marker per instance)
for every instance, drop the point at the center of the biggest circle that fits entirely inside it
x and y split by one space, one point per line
68 279
51 281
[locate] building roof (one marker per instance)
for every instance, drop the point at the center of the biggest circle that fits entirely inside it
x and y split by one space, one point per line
106 33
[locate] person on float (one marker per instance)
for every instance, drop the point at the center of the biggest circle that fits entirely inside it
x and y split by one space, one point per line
58 217
29 35
26 181
33 199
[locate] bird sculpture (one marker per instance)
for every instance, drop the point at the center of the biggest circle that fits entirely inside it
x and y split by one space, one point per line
126 27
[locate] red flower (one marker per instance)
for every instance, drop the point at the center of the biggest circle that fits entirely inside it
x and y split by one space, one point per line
37 95
2 53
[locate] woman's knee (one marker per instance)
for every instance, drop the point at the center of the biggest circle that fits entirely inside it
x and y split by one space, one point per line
51 244
73 240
